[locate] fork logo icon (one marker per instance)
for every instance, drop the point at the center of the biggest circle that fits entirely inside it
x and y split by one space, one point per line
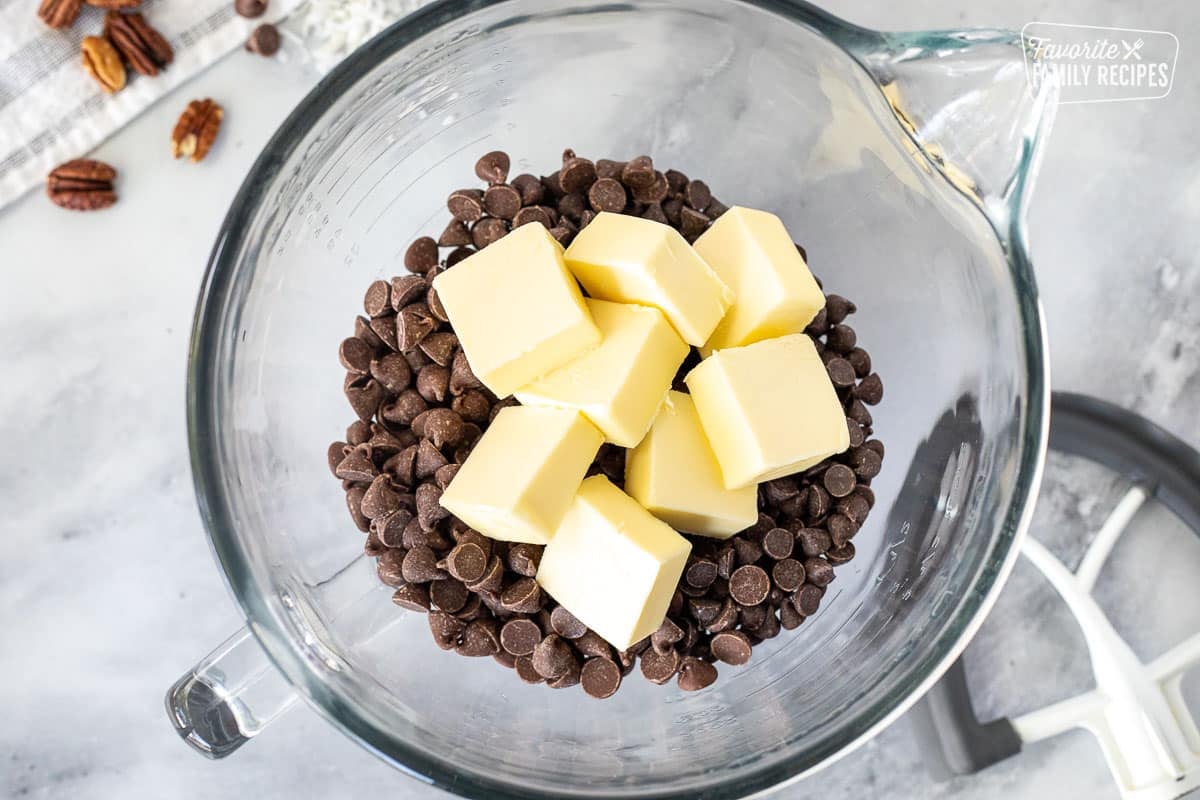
1132 49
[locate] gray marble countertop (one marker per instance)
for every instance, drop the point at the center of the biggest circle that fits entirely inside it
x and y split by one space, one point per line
108 591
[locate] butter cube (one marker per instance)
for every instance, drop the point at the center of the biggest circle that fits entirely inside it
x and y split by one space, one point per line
619 385
674 474
519 480
517 311
612 564
775 294
768 409
634 260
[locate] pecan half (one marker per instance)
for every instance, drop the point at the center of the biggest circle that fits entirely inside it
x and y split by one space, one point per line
59 13
103 63
82 185
143 48
111 4
197 129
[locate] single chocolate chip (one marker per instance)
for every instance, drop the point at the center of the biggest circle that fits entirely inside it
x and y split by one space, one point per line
378 299
808 599
487 231
861 361
520 636
405 408
841 373
789 617
752 616
592 645
818 502
523 596
780 490
840 555
429 508
465 205
467 562
391 528
659 667
696 194
445 474
749 585
335 455
493 578
855 507
355 355
421 255
264 40
666 636
433 382
841 339
819 325
701 573
788 574
420 565
389 567
839 480
414 323
359 432
479 639
525 670
866 462
585 218
818 572
568 678
505 659
380 499
552 657
523 558
732 647
600 678
530 214
695 674
364 397
502 201
566 624
384 329
692 223
857 437
778 543
440 347
607 194
654 192
461 376
362 330
402 466
747 551
870 391
726 561
472 405
531 189
838 308
455 234
638 172
726 618
493 167
759 529
457 255
357 465
448 595
406 290
250 9
443 427
572 206
607 168
857 411
412 596
551 187
654 212
576 175
446 629
703 609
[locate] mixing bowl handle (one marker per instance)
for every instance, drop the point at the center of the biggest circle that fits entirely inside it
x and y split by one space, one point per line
228 697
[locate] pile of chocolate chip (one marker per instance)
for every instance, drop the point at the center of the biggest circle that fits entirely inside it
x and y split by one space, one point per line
421 409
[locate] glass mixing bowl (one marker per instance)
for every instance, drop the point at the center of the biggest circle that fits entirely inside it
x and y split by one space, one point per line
900 161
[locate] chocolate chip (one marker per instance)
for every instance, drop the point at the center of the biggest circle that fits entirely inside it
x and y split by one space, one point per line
607 194
749 585
458 254
524 596
429 509
695 674
455 234
841 373
525 670
502 201
389 567
433 382
841 339
335 455
638 172
487 231
697 194
471 405
392 372
446 629
838 308
732 647
264 40
839 480
716 208
378 299
818 502
585 218
448 595
492 579
857 437
531 189
362 330
572 206
465 205
421 255
412 596
726 561
701 573
654 213
654 192
818 572
523 559
445 474
673 210
380 499
405 408
552 657
568 678
855 507
840 555
808 599
359 432
250 9
493 167
414 323
857 411
530 214
692 223
391 528
600 678
355 355
870 391
520 636
443 427
747 551
420 565
752 616
778 543
788 574
666 636
357 465
866 462
659 667
402 466
467 562
479 639
592 645
576 175
566 624
704 609
440 347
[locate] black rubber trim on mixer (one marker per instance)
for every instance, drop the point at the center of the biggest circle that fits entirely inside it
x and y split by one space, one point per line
954 741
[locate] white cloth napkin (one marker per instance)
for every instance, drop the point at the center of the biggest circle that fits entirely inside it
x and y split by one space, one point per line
52 111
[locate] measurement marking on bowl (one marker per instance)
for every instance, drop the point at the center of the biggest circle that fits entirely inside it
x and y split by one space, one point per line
400 193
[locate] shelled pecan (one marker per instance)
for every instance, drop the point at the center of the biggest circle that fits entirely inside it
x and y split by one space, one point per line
197 129
59 13
141 46
82 185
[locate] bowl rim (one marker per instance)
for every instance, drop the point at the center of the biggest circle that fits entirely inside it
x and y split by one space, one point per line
267 624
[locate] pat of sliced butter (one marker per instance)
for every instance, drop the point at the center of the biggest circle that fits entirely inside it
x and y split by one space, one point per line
633 260
768 409
612 564
516 309
775 294
674 474
519 480
619 385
